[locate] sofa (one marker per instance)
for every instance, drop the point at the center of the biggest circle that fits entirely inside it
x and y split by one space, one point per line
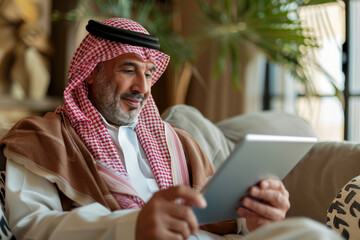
313 183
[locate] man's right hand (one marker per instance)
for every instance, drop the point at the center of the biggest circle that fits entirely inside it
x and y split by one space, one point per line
162 218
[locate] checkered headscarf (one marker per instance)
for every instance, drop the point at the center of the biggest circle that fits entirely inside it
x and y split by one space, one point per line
88 123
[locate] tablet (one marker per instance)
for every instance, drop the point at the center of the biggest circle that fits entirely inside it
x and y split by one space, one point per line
254 158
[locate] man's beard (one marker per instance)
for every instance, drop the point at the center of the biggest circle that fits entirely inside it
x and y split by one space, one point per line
110 106
115 114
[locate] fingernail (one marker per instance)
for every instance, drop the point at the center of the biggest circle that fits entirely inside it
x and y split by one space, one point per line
245 202
265 184
203 202
255 190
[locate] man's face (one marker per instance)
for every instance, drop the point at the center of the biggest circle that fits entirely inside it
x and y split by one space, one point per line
119 87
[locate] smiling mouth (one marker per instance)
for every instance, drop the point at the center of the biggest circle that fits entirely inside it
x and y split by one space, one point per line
133 100
133 103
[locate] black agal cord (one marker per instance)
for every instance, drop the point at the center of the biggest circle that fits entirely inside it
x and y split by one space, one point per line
122 35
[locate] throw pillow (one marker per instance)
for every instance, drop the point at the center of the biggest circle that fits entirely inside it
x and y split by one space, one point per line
344 212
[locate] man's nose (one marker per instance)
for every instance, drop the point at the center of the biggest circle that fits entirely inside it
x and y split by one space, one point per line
140 84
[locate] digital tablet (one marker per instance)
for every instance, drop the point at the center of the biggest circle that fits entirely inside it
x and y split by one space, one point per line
256 157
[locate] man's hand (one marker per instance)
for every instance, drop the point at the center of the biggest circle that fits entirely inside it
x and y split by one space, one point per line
273 207
162 218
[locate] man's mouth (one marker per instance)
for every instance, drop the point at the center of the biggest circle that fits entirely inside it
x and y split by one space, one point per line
132 100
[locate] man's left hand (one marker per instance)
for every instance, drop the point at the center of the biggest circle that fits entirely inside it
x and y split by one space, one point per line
273 207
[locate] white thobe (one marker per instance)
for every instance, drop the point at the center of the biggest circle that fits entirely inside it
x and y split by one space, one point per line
34 210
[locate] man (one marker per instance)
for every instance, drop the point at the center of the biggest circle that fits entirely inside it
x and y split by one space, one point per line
105 166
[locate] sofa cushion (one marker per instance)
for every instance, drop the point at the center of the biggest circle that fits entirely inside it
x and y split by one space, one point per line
208 135
265 122
318 177
343 214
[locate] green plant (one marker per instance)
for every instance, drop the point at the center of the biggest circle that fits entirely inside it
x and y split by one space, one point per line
271 26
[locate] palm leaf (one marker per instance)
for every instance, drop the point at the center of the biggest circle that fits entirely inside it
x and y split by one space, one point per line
272 26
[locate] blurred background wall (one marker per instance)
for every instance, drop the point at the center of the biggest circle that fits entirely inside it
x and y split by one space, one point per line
38 39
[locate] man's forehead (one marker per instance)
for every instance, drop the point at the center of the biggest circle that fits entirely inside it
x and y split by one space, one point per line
131 57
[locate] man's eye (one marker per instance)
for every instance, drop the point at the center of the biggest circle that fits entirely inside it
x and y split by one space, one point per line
128 71
148 75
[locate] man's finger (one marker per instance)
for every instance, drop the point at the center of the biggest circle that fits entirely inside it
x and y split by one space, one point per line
179 227
273 197
253 221
263 210
170 235
185 213
274 184
193 197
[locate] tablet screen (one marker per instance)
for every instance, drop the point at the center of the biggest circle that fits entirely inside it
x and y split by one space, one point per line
254 158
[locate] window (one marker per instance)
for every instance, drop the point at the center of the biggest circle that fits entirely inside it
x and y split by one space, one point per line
323 111
353 78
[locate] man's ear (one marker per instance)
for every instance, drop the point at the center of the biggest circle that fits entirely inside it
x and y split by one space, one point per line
91 78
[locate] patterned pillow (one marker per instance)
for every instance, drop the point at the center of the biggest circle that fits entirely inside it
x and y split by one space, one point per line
343 214
5 232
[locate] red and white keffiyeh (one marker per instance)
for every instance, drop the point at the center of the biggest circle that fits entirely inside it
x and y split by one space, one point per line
89 125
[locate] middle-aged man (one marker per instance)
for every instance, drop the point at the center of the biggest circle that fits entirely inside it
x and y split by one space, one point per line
105 166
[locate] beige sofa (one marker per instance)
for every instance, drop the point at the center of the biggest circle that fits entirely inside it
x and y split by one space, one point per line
312 184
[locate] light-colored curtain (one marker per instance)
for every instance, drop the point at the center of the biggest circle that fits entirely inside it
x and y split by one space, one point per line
325 114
